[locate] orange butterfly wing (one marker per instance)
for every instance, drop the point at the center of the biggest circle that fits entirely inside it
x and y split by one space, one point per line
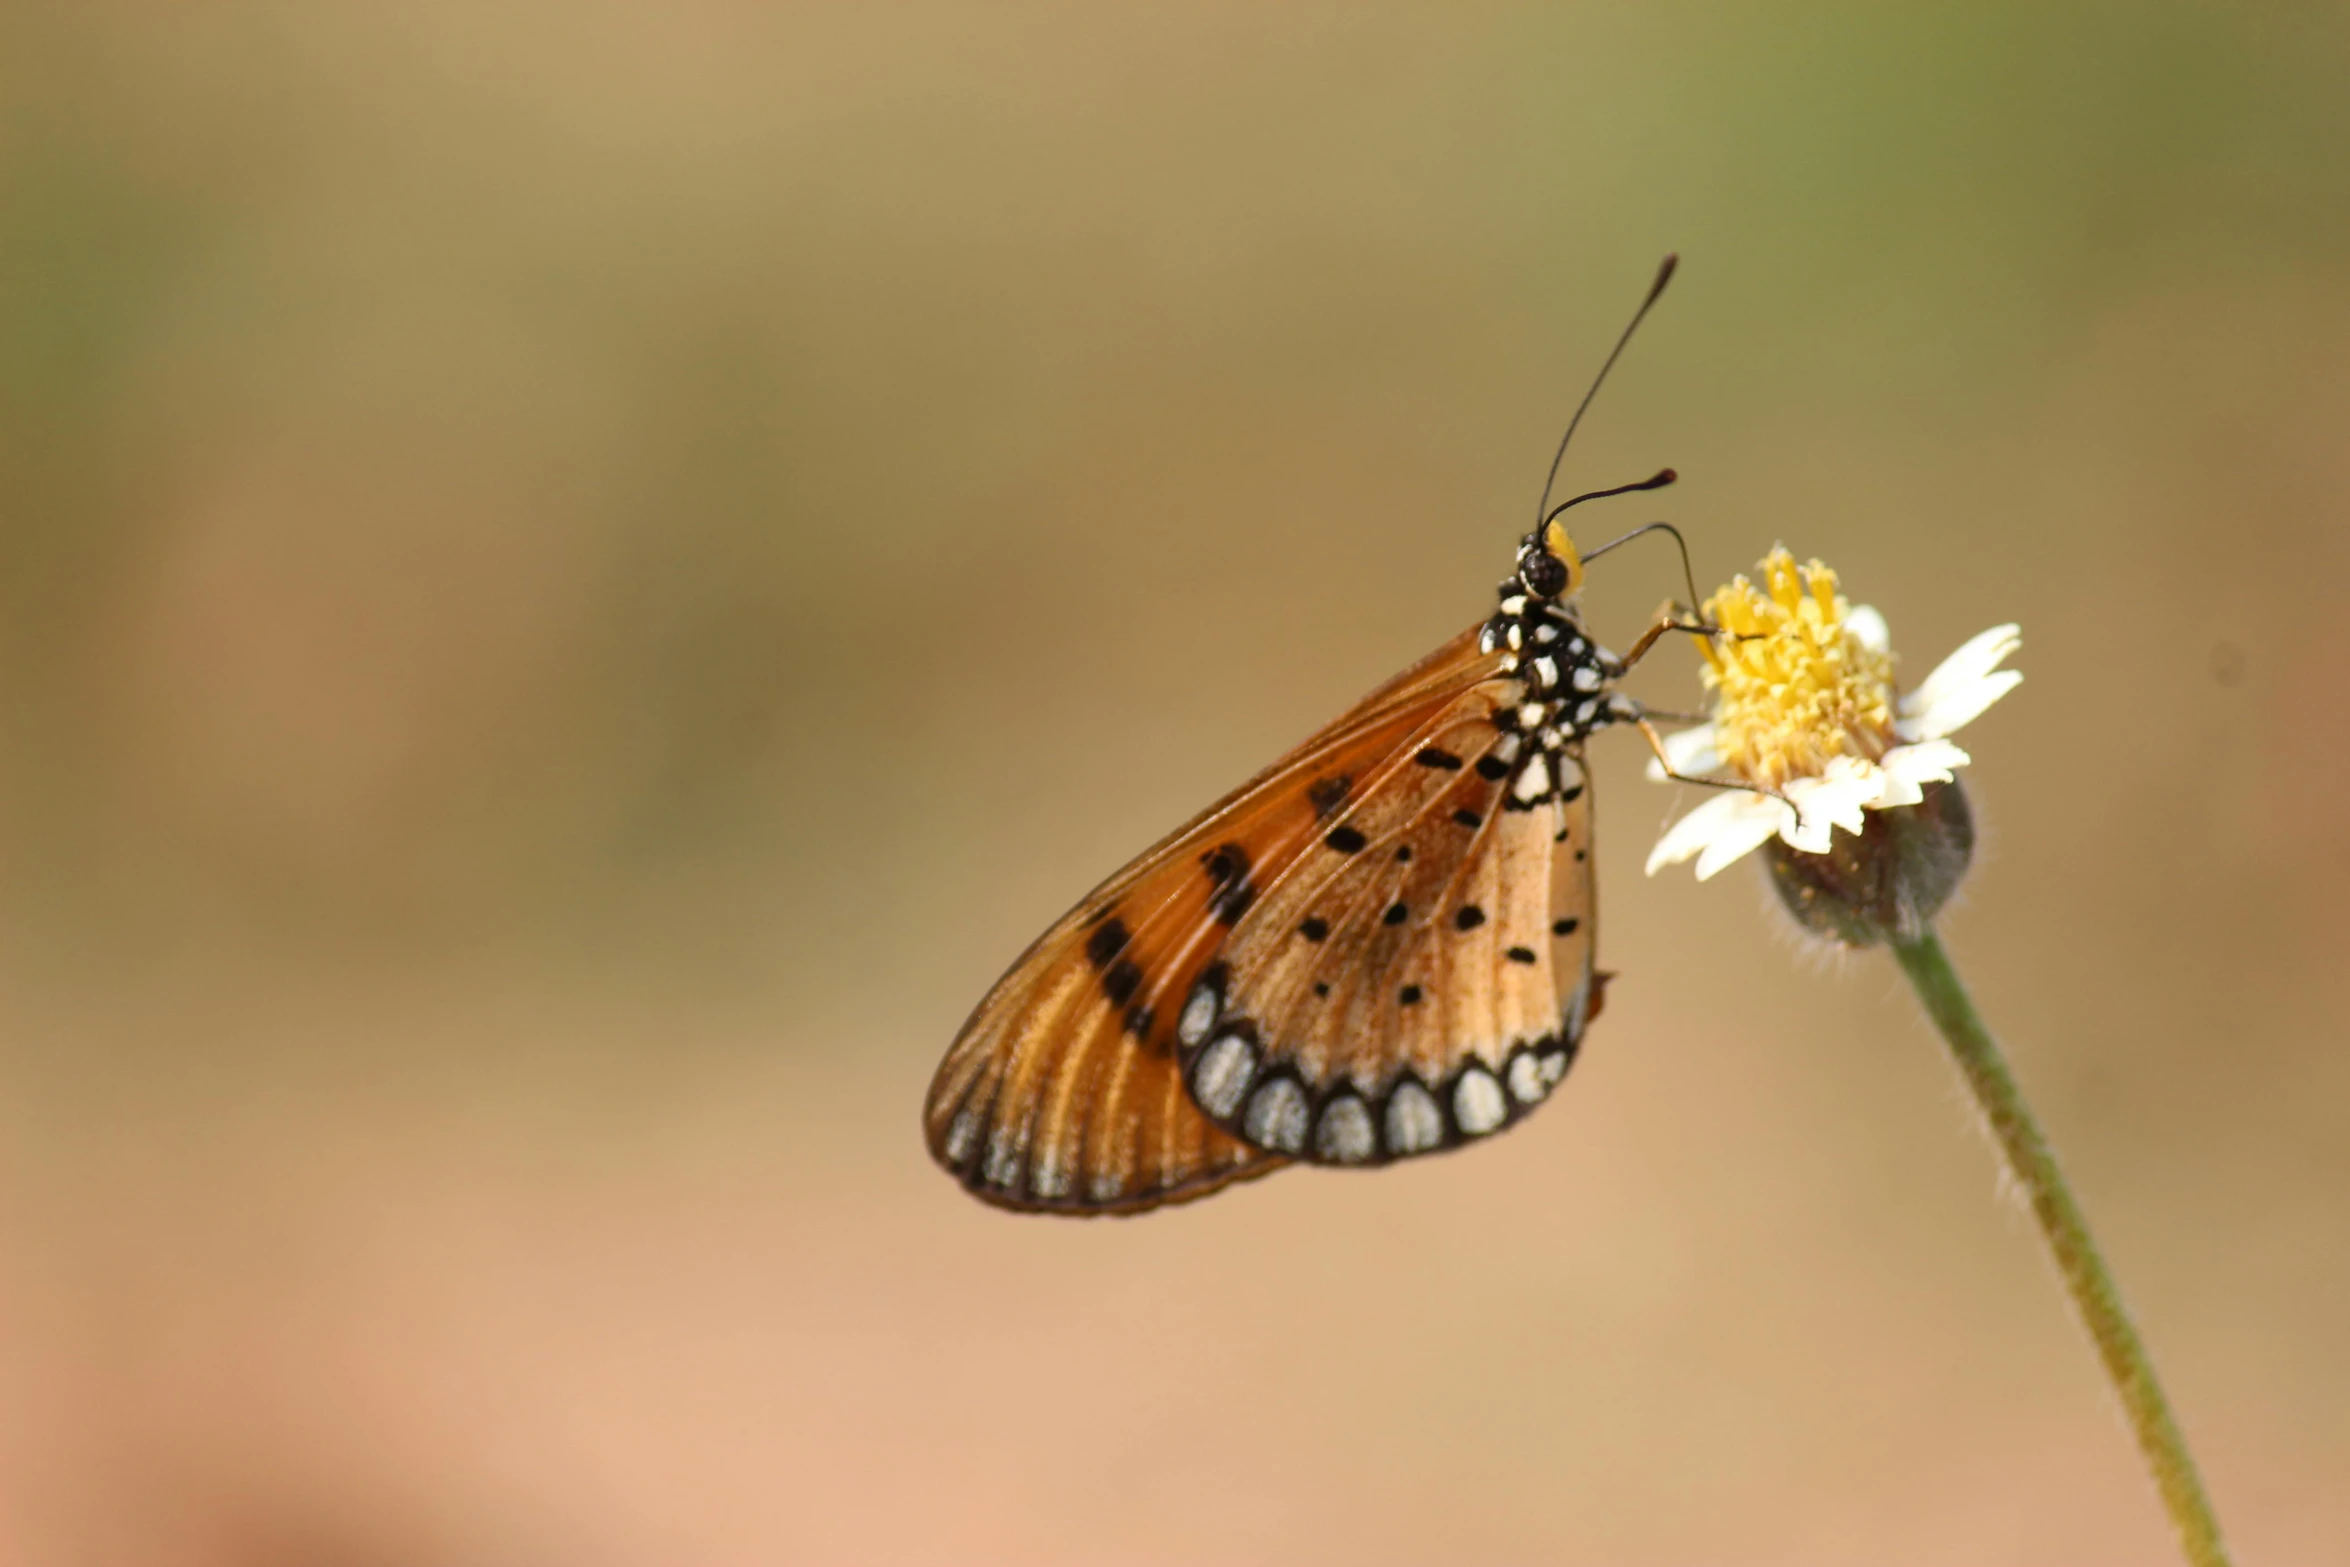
1065 1091
1423 976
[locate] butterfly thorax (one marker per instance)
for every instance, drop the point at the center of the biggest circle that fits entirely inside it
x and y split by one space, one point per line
1562 676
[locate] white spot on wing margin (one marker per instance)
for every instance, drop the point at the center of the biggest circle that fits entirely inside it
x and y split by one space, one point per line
1344 1133
1277 1116
1477 1103
1414 1123
1525 1073
1222 1075
1199 1014
960 1131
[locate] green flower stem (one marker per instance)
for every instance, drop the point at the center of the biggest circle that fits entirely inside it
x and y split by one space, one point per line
2093 1290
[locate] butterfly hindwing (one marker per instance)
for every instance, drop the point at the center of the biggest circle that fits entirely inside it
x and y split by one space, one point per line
1421 978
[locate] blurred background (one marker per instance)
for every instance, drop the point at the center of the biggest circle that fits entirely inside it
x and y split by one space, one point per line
576 581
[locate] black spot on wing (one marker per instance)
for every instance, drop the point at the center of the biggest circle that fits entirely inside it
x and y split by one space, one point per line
1328 793
1106 943
1120 980
1521 954
1345 840
1468 918
1227 868
1564 927
1437 756
1396 914
1492 767
1468 818
1315 928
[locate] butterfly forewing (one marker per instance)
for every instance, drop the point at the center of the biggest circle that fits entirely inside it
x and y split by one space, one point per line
1065 1090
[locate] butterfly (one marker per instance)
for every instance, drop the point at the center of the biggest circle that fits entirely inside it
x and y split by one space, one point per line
1380 947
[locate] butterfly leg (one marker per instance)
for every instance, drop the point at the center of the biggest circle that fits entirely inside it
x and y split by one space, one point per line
1667 619
1632 711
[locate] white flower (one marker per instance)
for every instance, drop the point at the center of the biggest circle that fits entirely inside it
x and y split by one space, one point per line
1805 705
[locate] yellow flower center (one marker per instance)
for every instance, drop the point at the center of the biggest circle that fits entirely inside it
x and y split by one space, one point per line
1794 687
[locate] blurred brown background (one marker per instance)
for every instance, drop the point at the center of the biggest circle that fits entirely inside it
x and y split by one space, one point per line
578 579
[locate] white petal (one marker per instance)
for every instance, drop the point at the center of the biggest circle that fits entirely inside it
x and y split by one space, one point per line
1812 833
1869 626
1967 682
1958 708
1835 799
1748 828
1691 751
1975 658
1900 788
1697 831
1689 835
1930 761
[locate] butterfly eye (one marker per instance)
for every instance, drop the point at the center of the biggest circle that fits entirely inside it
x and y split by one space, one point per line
1544 574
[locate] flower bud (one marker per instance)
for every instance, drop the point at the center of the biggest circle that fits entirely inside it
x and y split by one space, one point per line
1886 881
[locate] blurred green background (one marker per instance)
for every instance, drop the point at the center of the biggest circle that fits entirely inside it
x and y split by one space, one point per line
576 580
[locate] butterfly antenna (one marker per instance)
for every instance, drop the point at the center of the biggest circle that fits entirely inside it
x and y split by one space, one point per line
1688 577
1664 275
1656 481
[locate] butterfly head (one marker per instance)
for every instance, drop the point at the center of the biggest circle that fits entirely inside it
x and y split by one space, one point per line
1549 566
1538 628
